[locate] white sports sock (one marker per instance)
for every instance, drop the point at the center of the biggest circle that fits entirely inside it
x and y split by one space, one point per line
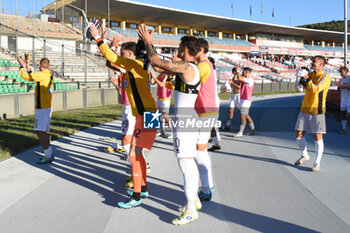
190 173
252 125
241 129
343 124
302 145
114 146
319 147
204 167
127 151
216 140
144 156
162 121
48 152
217 134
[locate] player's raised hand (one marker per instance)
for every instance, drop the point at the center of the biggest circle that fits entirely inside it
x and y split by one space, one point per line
115 43
113 79
20 60
175 57
144 34
27 58
93 30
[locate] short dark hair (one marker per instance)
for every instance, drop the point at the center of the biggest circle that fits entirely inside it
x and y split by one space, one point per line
44 63
203 43
247 69
212 62
129 46
321 58
234 70
343 68
191 43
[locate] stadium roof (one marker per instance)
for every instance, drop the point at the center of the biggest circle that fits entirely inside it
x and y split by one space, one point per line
130 10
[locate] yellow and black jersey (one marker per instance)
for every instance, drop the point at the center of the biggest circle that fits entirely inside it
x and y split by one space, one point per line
137 84
43 87
316 90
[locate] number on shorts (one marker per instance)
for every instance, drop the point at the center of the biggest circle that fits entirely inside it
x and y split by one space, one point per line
177 142
137 132
125 125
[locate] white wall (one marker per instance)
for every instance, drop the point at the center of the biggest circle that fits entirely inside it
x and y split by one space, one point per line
93 48
26 43
56 45
4 42
279 43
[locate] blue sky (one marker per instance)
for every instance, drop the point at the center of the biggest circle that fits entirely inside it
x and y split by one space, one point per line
296 12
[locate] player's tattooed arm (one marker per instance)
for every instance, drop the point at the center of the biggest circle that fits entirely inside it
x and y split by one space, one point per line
183 68
175 67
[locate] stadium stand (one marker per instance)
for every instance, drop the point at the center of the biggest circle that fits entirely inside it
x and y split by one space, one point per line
38 27
228 48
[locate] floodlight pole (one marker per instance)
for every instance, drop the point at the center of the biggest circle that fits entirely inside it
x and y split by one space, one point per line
44 32
16 48
109 27
0 27
33 39
62 70
85 45
345 32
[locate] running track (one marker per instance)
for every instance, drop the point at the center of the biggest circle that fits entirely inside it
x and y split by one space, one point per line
258 187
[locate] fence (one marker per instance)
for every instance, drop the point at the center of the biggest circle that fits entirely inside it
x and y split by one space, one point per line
71 56
22 104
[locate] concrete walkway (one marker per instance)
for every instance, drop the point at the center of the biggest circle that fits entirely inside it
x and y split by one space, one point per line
258 187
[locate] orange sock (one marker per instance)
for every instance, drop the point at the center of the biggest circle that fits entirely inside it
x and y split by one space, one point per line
136 173
138 165
143 170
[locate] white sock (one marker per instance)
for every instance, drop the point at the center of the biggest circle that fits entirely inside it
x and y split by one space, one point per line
162 121
190 173
228 122
252 125
48 152
319 147
204 167
115 146
144 156
217 134
216 140
343 124
127 151
241 129
302 145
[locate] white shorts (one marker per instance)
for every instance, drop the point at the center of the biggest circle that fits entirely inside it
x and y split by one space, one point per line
42 119
218 101
128 120
185 137
235 101
245 105
163 105
345 106
185 143
311 123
